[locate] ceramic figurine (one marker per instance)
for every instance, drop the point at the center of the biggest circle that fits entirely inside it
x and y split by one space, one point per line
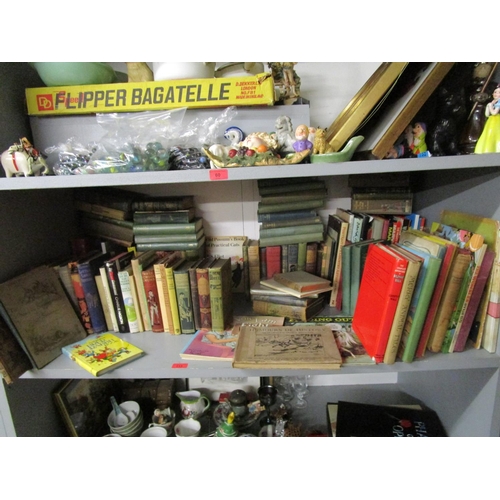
418 145
227 429
302 142
489 141
320 145
23 159
284 134
286 81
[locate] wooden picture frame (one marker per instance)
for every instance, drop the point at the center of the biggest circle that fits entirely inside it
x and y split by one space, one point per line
84 405
362 105
416 84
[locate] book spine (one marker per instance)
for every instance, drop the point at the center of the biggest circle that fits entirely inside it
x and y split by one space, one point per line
301 256
284 258
176 322
311 255
128 301
336 294
273 260
104 302
467 317
274 309
168 238
179 245
164 300
92 208
92 298
80 296
181 203
153 299
216 299
291 223
293 238
105 230
195 299
116 296
138 264
383 206
346 280
204 297
291 215
109 298
286 207
184 304
293 197
107 220
166 229
282 299
173 217
289 188
254 263
263 261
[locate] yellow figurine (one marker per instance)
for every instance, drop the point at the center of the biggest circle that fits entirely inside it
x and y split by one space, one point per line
489 141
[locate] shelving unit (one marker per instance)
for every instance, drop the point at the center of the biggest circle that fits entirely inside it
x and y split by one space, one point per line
37 219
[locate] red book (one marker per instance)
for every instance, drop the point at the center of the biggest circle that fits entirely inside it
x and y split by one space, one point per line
273 260
152 298
379 292
80 296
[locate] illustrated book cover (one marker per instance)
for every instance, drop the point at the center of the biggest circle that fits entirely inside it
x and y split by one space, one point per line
101 353
307 347
41 313
370 420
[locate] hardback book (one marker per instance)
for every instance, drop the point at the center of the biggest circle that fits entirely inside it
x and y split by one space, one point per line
444 312
302 281
168 238
184 302
41 313
464 296
273 260
88 270
284 258
314 219
285 299
259 289
311 257
104 302
468 313
350 347
347 308
164 216
65 276
202 279
13 359
101 228
411 277
221 296
419 305
108 298
487 321
276 285
379 291
403 205
130 299
152 298
172 295
177 245
109 202
253 262
278 188
291 230
301 256
139 262
340 228
347 216
195 295
163 203
292 261
162 287
289 215
292 196
291 238
313 204
172 228
101 353
370 420
300 347
113 266
300 313
231 247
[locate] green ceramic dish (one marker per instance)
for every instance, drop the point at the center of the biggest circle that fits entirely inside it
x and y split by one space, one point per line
340 156
54 74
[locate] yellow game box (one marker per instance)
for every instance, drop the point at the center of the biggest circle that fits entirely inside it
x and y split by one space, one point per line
151 96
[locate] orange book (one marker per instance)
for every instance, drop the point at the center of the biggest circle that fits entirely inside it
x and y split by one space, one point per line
378 297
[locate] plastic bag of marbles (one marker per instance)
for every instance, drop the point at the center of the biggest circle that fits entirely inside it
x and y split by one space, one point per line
70 157
135 142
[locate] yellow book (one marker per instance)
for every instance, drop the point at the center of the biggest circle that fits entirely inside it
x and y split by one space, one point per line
176 320
102 352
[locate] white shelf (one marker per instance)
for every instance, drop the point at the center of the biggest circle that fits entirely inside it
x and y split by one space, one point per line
253 173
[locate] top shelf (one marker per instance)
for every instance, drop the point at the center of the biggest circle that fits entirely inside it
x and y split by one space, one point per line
253 173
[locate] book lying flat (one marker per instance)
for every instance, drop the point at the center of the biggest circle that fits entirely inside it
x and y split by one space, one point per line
302 281
101 353
307 347
275 285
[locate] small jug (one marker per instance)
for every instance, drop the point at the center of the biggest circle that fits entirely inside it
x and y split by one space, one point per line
193 404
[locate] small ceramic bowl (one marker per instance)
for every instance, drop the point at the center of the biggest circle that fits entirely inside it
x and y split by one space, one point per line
126 407
55 74
340 156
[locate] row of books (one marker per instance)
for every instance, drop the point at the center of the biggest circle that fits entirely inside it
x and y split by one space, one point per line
429 291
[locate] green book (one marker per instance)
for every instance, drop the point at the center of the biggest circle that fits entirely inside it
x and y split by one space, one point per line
183 294
169 238
164 216
358 258
285 231
302 256
292 238
221 296
419 306
313 219
297 196
180 245
168 228
293 205
290 188
346 280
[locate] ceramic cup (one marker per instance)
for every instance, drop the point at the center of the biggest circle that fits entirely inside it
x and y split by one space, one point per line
154 432
188 427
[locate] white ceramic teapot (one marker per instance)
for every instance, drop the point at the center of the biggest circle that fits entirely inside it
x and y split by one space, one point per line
193 403
183 70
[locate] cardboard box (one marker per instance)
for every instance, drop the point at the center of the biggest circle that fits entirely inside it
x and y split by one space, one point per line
151 96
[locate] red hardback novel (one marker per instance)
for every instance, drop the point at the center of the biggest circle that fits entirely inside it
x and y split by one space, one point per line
379 292
273 260
153 299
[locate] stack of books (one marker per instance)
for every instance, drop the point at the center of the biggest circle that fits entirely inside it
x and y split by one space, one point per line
168 223
296 295
290 228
